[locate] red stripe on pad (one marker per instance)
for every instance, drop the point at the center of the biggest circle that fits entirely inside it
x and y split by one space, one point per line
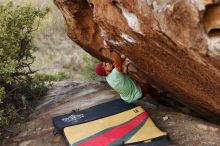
116 133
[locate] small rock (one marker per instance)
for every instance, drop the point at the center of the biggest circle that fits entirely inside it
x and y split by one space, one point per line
165 118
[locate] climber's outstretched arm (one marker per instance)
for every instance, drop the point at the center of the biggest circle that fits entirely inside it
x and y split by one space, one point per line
117 61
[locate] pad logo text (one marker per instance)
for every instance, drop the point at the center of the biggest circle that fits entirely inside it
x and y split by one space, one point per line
72 118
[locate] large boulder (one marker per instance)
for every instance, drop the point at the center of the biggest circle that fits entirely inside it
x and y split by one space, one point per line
173 44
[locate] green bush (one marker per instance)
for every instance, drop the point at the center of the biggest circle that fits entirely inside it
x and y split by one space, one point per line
17 25
88 69
49 78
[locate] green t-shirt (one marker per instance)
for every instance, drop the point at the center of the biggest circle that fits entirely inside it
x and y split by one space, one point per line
126 87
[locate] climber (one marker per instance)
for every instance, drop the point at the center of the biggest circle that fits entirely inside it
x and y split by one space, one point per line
128 89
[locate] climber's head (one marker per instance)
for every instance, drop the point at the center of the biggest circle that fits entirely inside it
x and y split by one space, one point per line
104 68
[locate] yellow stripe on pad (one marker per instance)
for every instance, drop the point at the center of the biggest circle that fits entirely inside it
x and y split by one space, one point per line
147 132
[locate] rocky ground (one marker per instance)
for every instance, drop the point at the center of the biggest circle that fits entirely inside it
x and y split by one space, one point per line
183 130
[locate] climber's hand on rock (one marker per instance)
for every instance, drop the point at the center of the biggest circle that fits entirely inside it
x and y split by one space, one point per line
127 61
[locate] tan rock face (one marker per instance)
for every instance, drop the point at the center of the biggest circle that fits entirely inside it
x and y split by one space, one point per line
166 40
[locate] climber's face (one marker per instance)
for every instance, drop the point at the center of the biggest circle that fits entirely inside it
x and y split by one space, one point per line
107 67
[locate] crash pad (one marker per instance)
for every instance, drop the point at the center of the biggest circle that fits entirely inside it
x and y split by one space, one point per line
90 114
112 123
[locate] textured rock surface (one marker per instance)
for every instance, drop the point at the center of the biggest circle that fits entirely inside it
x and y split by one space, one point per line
173 44
182 129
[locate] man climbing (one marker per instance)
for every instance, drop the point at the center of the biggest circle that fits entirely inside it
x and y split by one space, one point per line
129 90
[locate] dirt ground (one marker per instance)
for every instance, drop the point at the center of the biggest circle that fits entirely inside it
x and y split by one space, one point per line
183 129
